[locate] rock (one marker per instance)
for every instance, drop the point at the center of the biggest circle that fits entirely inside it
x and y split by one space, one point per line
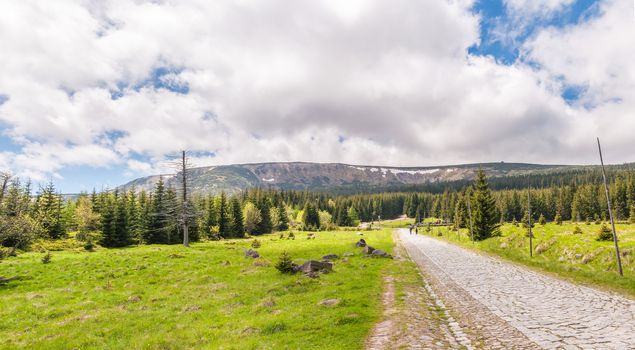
329 302
330 257
348 254
134 299
252 253
313 275
361 243
380 253
315 266
368 250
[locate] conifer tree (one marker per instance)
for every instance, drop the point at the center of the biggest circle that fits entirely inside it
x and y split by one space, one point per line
484 211
265 225
238 227
283 218
224 224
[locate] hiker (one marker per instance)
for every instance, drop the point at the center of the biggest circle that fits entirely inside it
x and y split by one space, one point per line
417 230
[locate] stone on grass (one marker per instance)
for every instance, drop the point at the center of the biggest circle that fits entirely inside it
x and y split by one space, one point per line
134 299
252 253
368 250
330 257
315 266
348 254
361 243
380 254
329 302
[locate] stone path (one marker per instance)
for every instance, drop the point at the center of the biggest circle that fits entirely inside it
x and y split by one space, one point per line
501 305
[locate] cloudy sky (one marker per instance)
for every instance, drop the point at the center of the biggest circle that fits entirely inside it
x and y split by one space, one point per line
96 92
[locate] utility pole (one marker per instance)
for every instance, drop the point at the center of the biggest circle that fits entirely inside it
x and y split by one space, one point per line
608 202
531 235
186 235
469 211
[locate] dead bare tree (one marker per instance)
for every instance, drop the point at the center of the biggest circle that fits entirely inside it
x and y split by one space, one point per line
5 177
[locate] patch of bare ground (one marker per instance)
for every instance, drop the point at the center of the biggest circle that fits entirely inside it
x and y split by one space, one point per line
413 318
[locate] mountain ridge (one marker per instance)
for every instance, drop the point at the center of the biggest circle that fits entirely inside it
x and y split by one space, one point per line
334 176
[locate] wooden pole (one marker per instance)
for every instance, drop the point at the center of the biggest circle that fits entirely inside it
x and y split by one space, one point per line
186 235
469 211
608 202
531 242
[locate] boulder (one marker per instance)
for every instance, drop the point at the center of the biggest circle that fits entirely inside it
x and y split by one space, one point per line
361 243
348 254
368 250
252 253
330 257
380 253
329 302
315 266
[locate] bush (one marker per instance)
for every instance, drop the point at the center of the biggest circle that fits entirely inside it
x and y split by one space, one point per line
255 244
285 263
604 234
514 222
542 220
291 235
558 219
577 230
46 258
89 246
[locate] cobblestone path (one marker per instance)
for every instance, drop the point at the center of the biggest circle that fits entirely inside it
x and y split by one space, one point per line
501 305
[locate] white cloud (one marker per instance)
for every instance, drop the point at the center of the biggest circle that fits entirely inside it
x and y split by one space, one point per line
273 80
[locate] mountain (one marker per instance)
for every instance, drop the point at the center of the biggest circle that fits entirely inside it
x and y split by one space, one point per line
333 176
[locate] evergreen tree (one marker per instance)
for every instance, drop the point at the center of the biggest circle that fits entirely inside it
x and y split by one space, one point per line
238 227
224 224
310 217
283 218
159 221
484 212
122 222
109 222
265 225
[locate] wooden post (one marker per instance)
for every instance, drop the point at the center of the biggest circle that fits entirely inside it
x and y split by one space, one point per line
186 235
608 202
531 242
469 211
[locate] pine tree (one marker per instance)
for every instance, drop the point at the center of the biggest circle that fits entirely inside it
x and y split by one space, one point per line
283 218
109 222
265 225
158 225
238 227
224 224
484 211
122 222
631 217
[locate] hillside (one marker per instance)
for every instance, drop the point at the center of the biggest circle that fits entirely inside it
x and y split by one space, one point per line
334 176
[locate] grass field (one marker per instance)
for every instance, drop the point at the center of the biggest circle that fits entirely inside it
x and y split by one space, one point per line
209 296
557 250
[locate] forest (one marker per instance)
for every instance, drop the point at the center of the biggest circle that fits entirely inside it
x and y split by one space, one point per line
118 219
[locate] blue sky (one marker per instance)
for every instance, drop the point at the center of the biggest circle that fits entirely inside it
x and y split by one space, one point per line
325 87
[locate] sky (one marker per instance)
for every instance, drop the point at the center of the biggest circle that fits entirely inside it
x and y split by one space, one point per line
94 93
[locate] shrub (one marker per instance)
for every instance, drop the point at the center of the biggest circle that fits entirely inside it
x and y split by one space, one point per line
46 258
558 219
291 235
282 236
285 263
577 230
89 246
255 244
514 222
604 234
542 220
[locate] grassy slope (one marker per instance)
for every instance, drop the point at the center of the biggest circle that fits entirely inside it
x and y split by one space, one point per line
565 254
190 299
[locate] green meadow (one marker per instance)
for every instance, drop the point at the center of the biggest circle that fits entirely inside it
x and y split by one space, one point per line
556 249
209 296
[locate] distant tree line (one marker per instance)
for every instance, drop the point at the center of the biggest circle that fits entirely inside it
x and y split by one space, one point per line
117 219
